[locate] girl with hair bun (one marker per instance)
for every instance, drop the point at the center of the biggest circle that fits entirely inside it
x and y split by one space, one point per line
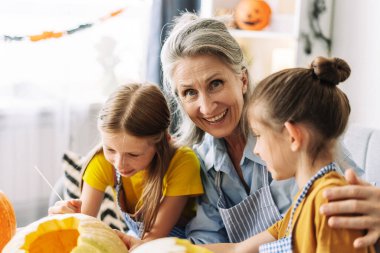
297 116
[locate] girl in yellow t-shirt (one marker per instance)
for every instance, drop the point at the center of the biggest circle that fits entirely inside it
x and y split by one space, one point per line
297 115
154 180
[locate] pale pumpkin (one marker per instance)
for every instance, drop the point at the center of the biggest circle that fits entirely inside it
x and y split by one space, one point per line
7 220
63 233
169 245
252 14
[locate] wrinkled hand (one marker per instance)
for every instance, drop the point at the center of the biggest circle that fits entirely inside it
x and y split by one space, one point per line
359 199
66 206
129 241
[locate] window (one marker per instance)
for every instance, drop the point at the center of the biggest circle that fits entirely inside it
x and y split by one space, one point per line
86 64
51 89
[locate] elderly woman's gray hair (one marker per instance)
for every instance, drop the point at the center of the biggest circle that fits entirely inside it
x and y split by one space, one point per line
193 36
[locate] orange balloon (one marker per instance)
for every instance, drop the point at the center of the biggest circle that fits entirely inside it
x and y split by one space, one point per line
252 14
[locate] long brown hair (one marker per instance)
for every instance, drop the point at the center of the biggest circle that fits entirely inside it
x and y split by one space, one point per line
307 95
141 110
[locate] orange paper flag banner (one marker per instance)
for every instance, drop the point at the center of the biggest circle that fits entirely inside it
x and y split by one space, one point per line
113 14
51 34
45 35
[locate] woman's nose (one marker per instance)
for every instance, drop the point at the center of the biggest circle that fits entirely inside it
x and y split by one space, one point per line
206 105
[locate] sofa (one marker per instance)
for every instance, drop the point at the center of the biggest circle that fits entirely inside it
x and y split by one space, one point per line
364 146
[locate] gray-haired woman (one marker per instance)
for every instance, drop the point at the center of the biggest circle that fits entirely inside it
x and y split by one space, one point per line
205 71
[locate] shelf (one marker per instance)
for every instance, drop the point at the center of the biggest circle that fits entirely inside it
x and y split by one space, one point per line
280 44
261 34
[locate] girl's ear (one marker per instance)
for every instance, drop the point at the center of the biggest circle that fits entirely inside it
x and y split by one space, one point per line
295 135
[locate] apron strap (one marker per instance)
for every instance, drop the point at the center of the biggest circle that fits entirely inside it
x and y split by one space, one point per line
136 226
330 167
114 178
218 183
265 175
120 192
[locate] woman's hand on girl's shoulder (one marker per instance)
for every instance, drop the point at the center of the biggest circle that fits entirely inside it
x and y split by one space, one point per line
66 206
361 201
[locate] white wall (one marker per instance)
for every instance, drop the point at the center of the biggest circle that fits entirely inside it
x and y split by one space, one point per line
356 38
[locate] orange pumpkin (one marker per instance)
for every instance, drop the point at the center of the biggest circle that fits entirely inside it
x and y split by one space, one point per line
252 14
7 220
64 233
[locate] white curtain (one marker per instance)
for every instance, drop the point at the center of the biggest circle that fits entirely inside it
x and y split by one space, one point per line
51 90
36 134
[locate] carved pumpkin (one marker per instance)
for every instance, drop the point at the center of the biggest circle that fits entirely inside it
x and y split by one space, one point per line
63 233
168 245
7 220
252 14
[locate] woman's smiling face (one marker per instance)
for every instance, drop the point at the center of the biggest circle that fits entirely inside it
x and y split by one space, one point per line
211 93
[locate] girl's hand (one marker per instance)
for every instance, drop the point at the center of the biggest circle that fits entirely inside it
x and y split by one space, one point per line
359 199
66 206
129 241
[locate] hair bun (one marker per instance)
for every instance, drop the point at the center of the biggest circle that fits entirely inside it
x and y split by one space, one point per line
330 71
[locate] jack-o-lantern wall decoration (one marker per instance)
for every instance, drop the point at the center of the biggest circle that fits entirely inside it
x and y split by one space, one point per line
252 14
7 220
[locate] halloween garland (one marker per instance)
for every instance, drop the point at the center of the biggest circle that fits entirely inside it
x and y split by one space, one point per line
58 34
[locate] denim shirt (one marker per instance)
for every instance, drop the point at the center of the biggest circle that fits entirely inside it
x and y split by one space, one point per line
207 226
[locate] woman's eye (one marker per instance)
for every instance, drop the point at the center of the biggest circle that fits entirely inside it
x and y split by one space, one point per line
110 150
216 83
189 93
256 135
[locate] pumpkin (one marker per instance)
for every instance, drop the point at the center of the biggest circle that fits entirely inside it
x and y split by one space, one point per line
169 245
7 220
252 14
63 233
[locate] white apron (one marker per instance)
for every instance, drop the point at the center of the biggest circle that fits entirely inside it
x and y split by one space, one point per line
251 216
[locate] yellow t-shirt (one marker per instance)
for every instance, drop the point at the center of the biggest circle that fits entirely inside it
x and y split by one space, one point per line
311 233
182 178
